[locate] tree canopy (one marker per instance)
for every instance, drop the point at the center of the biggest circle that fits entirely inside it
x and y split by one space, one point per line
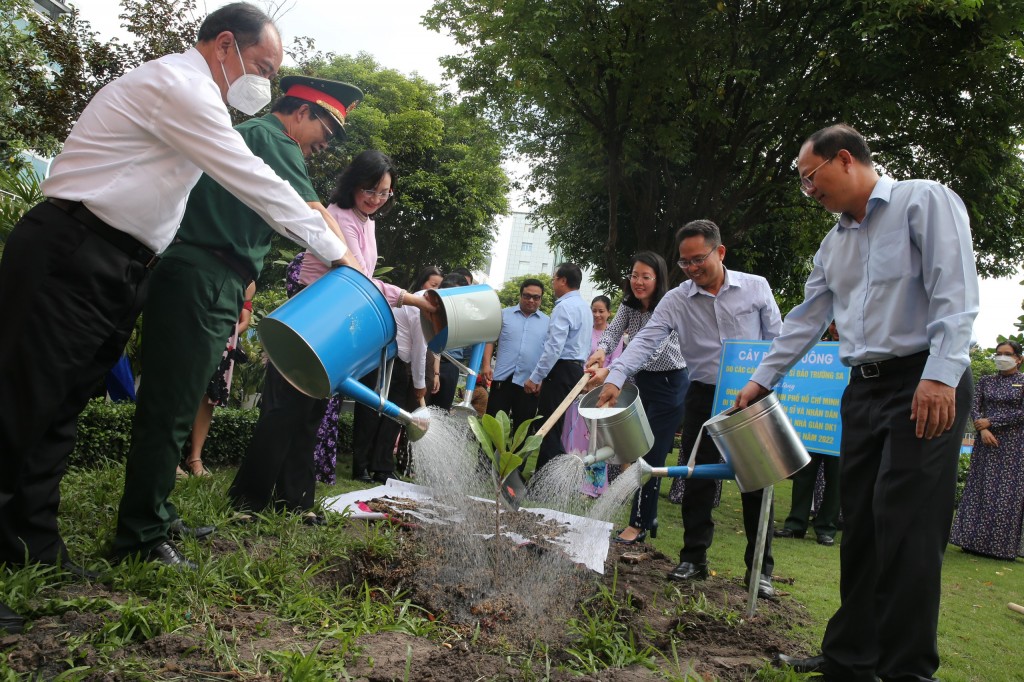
645 114
450 186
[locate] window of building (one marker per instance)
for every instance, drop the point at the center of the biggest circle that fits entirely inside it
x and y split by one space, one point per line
527 246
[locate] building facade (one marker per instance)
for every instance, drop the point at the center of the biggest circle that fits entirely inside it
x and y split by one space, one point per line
530 253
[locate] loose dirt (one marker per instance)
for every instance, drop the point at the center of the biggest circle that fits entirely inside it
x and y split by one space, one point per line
693 629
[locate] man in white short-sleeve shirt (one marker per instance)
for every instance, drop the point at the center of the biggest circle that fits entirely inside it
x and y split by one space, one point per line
75 268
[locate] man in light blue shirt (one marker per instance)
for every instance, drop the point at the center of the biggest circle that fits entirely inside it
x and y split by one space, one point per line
524 328
715 304
897 272
566 348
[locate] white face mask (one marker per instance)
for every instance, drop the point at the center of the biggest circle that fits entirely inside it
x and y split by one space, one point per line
1005 363
250 92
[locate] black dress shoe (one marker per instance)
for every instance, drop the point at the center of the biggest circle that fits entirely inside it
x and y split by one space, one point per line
381 476
640 537
826 540
166 553
364 476
178 530
10 622
814 664
687 570
789 533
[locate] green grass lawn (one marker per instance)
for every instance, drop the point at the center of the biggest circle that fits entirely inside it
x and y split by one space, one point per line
255 585
979 638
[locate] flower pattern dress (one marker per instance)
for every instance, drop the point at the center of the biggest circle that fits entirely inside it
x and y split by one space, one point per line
991 513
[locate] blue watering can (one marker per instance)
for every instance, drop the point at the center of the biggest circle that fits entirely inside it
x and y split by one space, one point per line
333 332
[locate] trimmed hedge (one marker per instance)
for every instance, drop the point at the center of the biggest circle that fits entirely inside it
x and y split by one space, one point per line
104 433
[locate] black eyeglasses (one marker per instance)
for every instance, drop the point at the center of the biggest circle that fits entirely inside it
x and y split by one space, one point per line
531 297
698 261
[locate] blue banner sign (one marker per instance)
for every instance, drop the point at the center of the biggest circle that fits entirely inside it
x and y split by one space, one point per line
811 392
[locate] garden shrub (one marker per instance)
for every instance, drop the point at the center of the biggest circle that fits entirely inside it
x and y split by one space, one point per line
104 433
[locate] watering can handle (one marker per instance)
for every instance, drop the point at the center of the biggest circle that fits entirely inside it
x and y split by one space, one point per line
564 405
693 453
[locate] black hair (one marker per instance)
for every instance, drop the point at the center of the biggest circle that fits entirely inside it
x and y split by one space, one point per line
364 172
603 299
531 283
289 105
656 263
422 277
700 228
246 22
465 273
827 142
453 279
572 274
1012 344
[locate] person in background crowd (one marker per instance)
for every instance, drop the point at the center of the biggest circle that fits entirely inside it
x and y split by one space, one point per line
277 468
447 371
218 391
897 274
75 272
575 436
429 277
827 517
662 382
991 512
374 436
715 304
561 362
520 342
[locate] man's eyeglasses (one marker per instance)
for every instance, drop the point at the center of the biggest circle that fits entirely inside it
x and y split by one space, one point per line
531 297
807 181
640 278
384 194
329 134
685 263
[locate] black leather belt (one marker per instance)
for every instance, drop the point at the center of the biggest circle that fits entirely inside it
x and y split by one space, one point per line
873 370
578 363
123 241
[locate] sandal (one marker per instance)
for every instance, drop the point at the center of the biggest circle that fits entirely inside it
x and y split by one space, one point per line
180 474
192 470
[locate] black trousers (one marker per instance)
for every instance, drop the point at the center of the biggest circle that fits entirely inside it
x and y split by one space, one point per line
513 400
69 300
374 435
826 520
278 468
556 385
897 500
699 495
662 394
448 377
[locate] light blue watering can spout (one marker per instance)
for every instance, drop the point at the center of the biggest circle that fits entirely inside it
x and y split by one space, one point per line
715 472
476 359
416 423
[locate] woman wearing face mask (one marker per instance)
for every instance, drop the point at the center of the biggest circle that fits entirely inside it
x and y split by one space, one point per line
661 382
991 512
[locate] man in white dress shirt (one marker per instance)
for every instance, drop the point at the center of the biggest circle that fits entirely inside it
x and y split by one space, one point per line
75 268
